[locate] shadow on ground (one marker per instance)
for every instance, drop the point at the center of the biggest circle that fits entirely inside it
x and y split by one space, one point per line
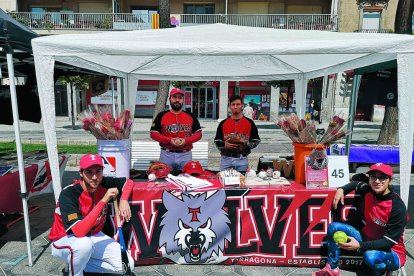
70 127
268 126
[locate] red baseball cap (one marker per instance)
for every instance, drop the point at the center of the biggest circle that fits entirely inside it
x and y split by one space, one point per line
194 167
176 91
89 160
381 167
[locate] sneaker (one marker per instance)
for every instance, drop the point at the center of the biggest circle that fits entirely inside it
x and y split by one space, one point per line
327 271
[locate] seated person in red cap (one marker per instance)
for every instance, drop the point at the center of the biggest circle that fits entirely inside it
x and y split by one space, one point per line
380 236
176 130
80 216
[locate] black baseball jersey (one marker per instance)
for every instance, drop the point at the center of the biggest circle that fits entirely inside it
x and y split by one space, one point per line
244 128
75 204
169 125
384 218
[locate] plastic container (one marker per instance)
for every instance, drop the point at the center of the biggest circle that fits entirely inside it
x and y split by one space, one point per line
301 150
117 157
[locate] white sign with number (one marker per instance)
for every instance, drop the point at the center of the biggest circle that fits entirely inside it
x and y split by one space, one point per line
338 170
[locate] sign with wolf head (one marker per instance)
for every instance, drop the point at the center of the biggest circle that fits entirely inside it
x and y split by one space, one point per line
195 227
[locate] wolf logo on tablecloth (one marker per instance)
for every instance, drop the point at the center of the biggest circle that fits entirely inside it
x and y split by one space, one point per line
191 237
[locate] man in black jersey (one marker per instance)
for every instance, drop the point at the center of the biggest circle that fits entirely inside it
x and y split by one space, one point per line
235 137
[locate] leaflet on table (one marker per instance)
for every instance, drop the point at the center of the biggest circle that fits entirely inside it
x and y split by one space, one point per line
187 182
257 181
315 178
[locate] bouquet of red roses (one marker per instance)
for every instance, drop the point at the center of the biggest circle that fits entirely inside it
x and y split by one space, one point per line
298 130
304 131
104 125
336 130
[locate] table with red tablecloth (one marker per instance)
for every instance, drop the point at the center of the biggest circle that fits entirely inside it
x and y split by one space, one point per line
276 225
38 181
10 201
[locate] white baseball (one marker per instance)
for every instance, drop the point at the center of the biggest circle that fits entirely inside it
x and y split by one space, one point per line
152 177
276 174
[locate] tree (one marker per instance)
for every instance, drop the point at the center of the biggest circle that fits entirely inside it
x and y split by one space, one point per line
162 95
402 25
80 83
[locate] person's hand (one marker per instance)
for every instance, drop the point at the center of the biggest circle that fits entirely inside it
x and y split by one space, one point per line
110 194
339 196
351 245
125 210
178 142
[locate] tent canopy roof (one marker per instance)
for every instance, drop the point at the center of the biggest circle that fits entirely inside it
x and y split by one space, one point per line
233 52
14 33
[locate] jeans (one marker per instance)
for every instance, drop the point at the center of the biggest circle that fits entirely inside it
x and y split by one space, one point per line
238 163
378 261
176 160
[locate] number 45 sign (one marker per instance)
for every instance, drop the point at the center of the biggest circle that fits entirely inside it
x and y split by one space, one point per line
338 170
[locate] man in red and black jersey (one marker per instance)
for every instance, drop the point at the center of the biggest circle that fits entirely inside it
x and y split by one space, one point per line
176 130
80 216
235 137
380 236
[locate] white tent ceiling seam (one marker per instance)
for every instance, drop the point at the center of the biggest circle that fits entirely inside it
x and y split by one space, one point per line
225 52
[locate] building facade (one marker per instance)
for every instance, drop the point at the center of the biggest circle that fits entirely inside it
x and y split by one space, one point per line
205 99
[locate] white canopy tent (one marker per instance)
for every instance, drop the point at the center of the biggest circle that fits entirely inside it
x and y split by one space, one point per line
225 52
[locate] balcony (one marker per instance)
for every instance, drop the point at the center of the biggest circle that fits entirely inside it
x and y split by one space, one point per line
279 21
383 31
82 21
127 21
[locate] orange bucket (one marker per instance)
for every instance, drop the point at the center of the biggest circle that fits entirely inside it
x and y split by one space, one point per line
301 150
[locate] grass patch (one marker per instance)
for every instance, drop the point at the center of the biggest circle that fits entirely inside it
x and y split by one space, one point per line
10 147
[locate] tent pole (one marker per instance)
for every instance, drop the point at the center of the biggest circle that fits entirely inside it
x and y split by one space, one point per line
352 109
22 176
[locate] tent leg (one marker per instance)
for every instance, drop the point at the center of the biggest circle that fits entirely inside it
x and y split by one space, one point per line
352 110
22 176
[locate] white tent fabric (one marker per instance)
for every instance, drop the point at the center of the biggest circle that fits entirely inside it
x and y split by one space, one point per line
225 52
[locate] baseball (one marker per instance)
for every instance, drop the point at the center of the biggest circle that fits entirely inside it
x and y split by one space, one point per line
340 236
276 174
152 177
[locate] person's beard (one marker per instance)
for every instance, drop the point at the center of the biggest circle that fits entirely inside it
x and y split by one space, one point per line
176 106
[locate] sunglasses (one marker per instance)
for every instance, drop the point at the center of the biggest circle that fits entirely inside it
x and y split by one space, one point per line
381 178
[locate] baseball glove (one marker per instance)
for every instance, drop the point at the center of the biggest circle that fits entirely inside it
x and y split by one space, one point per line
237 140
160 169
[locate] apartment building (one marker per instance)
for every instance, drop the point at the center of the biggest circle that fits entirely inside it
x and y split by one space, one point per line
367 15
61 16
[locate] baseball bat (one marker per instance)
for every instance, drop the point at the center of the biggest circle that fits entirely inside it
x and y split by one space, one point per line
126 270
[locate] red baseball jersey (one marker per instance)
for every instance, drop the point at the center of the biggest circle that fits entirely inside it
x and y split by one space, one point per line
244 128
384 218
75 204
169 125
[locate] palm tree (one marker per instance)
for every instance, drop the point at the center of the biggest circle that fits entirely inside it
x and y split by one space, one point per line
162 95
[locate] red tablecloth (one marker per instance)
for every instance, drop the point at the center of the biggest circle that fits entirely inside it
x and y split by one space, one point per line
267 225
10 202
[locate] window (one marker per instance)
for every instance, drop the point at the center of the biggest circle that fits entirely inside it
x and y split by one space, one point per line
371 20
198 8
143 14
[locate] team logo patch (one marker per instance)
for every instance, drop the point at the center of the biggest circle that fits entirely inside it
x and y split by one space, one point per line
317 159
72 216
196 236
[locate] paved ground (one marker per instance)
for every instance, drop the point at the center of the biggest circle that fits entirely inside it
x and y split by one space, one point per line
13 253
